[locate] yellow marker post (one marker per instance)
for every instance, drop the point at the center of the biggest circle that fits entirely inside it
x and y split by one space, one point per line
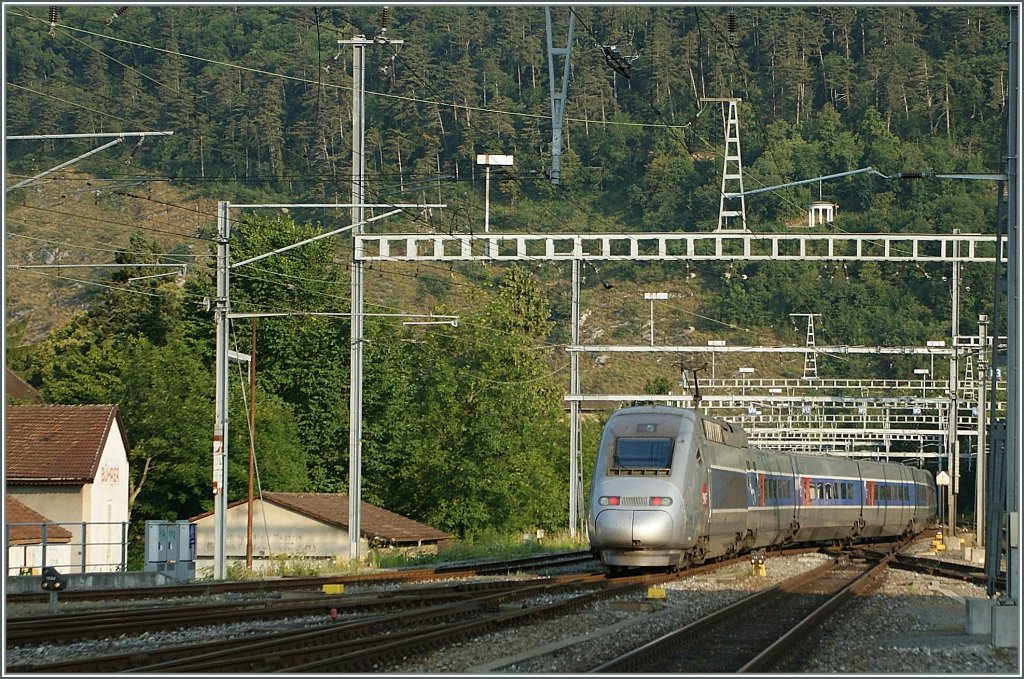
656 593
333 589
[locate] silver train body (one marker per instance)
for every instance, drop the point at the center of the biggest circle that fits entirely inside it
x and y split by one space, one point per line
673 488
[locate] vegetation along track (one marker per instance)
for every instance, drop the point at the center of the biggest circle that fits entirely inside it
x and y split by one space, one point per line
755 633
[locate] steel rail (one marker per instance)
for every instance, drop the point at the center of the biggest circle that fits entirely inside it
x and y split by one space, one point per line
776 652
731 615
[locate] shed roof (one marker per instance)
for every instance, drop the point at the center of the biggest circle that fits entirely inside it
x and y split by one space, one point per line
15 512
332 508
57 444
18 389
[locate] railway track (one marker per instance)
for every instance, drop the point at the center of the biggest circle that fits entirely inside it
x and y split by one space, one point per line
207 589
377 630
277 604
373 639
359 644
757 632
35 630
946 569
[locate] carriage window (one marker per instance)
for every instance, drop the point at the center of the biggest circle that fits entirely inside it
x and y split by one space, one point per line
642 453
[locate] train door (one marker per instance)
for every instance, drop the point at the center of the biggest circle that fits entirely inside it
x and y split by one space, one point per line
923 497
771 510
905 498
885 496
728 495
873 490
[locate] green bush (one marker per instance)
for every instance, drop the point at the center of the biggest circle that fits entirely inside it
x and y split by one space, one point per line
485 545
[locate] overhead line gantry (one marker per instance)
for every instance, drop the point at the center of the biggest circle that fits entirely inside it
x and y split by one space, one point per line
717 246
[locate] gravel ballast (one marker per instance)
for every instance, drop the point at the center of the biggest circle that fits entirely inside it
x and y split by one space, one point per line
913 623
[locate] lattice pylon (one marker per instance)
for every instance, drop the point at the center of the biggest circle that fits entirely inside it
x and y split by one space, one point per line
810 358
732 203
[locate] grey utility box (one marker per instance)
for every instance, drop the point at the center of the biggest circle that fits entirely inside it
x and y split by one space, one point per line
171 549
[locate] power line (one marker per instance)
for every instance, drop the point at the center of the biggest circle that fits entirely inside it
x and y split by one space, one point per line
95 249
114 223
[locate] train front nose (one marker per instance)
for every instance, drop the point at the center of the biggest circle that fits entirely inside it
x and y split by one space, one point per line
632 528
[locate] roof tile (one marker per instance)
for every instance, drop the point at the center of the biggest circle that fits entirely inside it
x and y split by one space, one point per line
375 522
18 390
16 512
56 443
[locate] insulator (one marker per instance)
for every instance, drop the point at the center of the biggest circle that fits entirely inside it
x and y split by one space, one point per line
53 14
120 10
731 22
384 18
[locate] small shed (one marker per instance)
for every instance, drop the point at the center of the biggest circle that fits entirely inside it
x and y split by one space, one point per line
27 531
309 526
69 463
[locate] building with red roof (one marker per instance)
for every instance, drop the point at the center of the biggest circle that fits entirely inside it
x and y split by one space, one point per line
69 464
27 531
311 526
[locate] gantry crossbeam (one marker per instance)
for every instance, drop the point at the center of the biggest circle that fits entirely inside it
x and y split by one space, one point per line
825 424
716 246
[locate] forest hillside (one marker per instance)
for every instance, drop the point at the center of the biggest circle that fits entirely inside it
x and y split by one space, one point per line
259 100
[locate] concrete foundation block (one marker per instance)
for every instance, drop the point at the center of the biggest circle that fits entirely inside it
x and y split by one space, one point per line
952 544
979 616
1005 626
974 554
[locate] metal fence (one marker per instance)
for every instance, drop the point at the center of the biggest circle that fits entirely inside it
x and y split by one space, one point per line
82 547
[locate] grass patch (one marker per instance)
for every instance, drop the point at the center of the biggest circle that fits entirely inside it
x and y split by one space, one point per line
489 546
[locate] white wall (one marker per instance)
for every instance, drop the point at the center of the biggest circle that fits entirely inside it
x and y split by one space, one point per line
105 505
277 532
31 556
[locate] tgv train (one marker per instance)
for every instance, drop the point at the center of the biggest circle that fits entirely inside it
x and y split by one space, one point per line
673 487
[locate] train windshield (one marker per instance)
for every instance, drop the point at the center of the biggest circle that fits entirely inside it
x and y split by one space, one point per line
642 453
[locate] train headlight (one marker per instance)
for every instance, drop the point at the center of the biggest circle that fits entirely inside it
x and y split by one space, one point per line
606 500
660 501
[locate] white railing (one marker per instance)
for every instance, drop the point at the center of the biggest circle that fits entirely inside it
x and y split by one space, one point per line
78 547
